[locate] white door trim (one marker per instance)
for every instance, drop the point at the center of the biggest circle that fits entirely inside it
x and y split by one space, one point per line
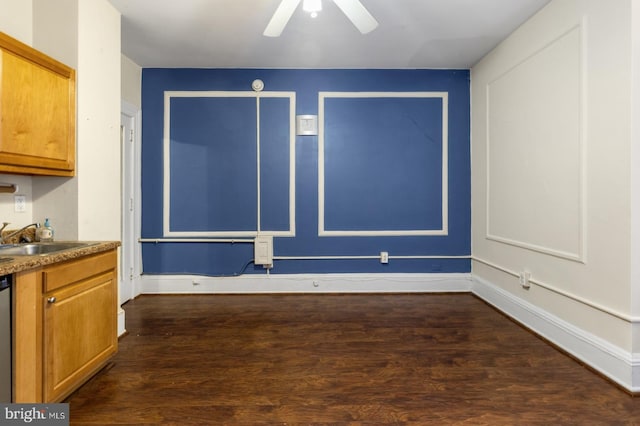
131 259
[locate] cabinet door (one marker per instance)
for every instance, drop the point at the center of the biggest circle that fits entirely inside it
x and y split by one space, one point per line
37 106
80 333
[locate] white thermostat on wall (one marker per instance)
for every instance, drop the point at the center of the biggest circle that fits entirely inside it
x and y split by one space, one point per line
307 125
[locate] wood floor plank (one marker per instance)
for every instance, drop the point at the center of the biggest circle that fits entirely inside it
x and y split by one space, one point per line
339 359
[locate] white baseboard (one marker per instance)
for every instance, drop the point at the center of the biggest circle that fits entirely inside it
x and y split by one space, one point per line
121 327
306 283
620 366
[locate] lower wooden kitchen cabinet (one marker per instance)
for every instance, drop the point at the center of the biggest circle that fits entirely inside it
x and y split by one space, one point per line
66 326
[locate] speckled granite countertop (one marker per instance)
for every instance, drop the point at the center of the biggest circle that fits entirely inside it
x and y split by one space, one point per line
24 263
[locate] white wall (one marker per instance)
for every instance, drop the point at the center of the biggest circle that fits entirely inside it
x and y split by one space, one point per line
55 29
55 33
635 176
98 121
551 142
84 34
131 82
16 19
7 210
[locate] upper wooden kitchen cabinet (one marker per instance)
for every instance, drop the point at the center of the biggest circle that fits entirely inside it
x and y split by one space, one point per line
37 110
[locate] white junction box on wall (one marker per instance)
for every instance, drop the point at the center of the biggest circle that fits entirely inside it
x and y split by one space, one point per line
263 251
307 125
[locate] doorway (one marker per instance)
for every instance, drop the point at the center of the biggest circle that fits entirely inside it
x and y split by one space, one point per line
130 261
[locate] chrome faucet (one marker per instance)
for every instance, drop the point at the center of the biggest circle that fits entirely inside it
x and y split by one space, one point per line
13 234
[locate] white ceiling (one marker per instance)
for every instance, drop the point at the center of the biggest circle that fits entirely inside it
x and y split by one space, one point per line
228 33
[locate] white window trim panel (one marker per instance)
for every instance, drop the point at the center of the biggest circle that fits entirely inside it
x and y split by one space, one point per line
166 206
445 168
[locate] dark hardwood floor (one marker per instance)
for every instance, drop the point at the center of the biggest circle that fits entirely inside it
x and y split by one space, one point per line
434 359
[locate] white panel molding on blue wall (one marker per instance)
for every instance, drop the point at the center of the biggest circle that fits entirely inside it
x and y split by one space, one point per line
536 155
322 228
396 171
291 96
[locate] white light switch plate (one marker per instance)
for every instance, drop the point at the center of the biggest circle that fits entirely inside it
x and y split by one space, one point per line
307 125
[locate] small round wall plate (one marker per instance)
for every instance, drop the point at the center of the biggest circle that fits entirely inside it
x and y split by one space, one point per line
257 85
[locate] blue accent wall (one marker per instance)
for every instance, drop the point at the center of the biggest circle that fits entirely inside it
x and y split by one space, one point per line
382 166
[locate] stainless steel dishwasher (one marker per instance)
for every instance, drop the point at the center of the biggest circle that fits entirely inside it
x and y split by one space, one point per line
5 338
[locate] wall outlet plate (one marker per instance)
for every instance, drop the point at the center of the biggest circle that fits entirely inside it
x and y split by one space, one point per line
524 277
20 203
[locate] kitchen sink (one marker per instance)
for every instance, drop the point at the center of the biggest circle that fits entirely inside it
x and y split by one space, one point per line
33 249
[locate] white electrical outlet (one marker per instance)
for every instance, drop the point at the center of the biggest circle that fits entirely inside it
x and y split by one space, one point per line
384 257
20 203
524 278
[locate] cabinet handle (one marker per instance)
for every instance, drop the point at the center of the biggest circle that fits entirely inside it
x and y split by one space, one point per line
52 299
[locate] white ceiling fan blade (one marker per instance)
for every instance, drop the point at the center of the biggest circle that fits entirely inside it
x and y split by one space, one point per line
281 17
357 13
